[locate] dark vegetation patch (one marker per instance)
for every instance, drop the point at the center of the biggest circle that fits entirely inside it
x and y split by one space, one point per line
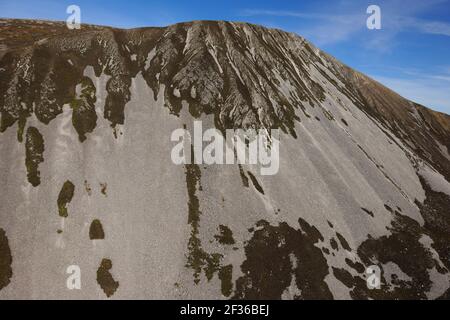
118 88
96 230
359 267
226 278
343 242
388 208
310 230
328 114
5 260
255 182
274 255
435 211
343 276
65 197
402 248
197 258
243 176
34 151
103 187
333 244
105 278
84 117
370 213
21 128
225 235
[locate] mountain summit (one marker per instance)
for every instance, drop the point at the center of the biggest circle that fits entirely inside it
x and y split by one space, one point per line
87 178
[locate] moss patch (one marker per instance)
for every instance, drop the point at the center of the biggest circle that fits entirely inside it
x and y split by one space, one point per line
225 235
333 244
84 117
197 258
328 114
96 230
105 278
34 150
226 278
118 88
370 213
243 176
65 196
403 248
21 128
5 260
343 242
435 211
103 187
277 253
255 182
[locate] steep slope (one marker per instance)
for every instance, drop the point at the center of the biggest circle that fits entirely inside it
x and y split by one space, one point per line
87 178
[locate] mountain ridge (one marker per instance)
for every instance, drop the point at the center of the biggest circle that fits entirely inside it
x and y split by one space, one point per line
379 102
189 23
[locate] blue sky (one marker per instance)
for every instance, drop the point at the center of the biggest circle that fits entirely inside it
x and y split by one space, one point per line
410 54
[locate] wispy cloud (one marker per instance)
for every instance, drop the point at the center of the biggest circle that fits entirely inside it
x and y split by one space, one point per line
404 23
277 13
442 78
331 26
442 75
325 28
296 14
429 91
434 27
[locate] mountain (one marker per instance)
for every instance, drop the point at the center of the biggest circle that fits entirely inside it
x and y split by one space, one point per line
89 190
